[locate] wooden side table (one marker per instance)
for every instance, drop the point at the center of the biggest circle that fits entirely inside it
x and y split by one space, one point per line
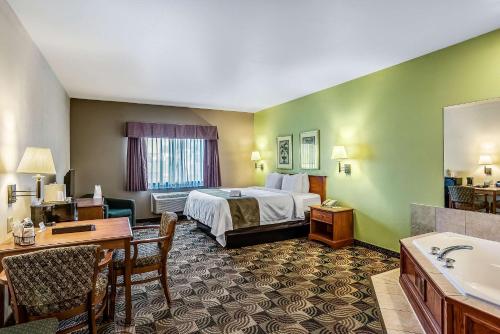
332 226
90 208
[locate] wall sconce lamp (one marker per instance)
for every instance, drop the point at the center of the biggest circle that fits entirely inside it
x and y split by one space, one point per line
339 153
35 160
486 160
256 157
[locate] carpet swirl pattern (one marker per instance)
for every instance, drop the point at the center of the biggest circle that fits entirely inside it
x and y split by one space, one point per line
295 286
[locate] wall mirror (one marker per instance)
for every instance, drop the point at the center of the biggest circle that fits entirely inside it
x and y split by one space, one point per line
472 156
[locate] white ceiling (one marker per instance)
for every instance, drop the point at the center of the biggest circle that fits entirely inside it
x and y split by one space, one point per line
235 54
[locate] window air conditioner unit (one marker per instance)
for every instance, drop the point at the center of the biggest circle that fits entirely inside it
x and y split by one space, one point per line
172 202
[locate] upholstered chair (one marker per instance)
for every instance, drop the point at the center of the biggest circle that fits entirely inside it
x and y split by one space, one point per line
149 251
59 282
44 326
464 198
118 207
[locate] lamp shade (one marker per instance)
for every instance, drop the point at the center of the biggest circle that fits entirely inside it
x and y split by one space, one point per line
255 156
37 160
339 153
485 159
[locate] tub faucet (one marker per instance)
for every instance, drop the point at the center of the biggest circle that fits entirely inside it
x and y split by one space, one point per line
442 255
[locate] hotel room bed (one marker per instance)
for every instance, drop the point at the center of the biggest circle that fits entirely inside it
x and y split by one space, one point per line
262 214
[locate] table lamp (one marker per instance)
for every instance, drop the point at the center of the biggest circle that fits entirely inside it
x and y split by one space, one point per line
38 161
485 160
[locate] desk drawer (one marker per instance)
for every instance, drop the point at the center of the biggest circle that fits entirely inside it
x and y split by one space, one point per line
326 217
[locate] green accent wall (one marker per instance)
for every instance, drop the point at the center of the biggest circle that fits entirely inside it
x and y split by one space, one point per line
391 123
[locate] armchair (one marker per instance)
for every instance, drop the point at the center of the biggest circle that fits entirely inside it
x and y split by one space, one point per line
465 198
149 250
59 283
118 207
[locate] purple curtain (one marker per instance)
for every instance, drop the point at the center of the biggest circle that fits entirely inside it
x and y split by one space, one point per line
211 167
137 179
136 154
159 130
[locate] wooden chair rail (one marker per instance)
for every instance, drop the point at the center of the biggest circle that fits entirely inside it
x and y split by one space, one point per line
148 240
106 259
145 227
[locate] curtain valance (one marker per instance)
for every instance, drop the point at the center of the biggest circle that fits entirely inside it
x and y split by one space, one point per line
158 130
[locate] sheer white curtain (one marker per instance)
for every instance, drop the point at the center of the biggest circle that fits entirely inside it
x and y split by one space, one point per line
174 163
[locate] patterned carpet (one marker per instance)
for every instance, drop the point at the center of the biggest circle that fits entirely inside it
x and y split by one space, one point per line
294 286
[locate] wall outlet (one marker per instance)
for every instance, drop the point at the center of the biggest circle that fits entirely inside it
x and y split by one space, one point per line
10 222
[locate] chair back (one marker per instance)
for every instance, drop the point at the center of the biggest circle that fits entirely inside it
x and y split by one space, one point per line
167 228
461 194
51 276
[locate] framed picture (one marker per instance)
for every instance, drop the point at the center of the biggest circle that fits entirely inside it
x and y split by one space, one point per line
309 149
285 152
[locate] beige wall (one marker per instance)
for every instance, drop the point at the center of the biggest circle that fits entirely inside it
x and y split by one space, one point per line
34 111
469 131
98 148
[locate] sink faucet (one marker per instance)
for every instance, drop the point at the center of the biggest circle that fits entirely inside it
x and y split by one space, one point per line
442 255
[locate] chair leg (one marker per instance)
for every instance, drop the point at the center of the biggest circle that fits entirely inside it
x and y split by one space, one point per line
92 324
112 297
91 316
105 313
164 283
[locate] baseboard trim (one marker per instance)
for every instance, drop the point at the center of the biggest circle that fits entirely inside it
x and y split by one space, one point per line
382 250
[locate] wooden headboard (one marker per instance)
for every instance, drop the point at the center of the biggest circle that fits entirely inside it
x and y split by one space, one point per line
317 185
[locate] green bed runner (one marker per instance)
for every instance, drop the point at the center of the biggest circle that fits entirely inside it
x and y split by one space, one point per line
244 210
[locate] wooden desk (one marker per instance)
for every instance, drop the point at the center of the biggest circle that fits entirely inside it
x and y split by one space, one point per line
493 192
333 226
112 233
90 208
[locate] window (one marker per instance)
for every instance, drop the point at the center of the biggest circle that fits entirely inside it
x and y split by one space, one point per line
174 163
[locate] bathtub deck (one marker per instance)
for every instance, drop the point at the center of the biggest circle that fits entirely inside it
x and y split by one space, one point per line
396 313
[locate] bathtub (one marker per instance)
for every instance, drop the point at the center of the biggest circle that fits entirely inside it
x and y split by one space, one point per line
476 272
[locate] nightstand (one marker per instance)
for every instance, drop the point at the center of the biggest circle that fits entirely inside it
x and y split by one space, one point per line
332 226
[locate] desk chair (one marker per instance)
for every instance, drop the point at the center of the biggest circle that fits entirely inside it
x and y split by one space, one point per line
44 326
149 253
59 282
464 198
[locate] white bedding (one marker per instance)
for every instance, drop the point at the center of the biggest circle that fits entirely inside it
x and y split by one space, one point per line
276 206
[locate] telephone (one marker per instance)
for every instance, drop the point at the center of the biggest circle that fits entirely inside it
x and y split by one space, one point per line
329 203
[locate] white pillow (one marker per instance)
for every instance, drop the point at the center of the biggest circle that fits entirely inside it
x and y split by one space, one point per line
292 183
274 180
305 183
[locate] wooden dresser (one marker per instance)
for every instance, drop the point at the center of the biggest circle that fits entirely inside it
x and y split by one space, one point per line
332 226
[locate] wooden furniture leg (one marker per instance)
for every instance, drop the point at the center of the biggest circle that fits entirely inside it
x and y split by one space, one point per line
164 283
2 305
112 297
494 204
91 319
128 284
